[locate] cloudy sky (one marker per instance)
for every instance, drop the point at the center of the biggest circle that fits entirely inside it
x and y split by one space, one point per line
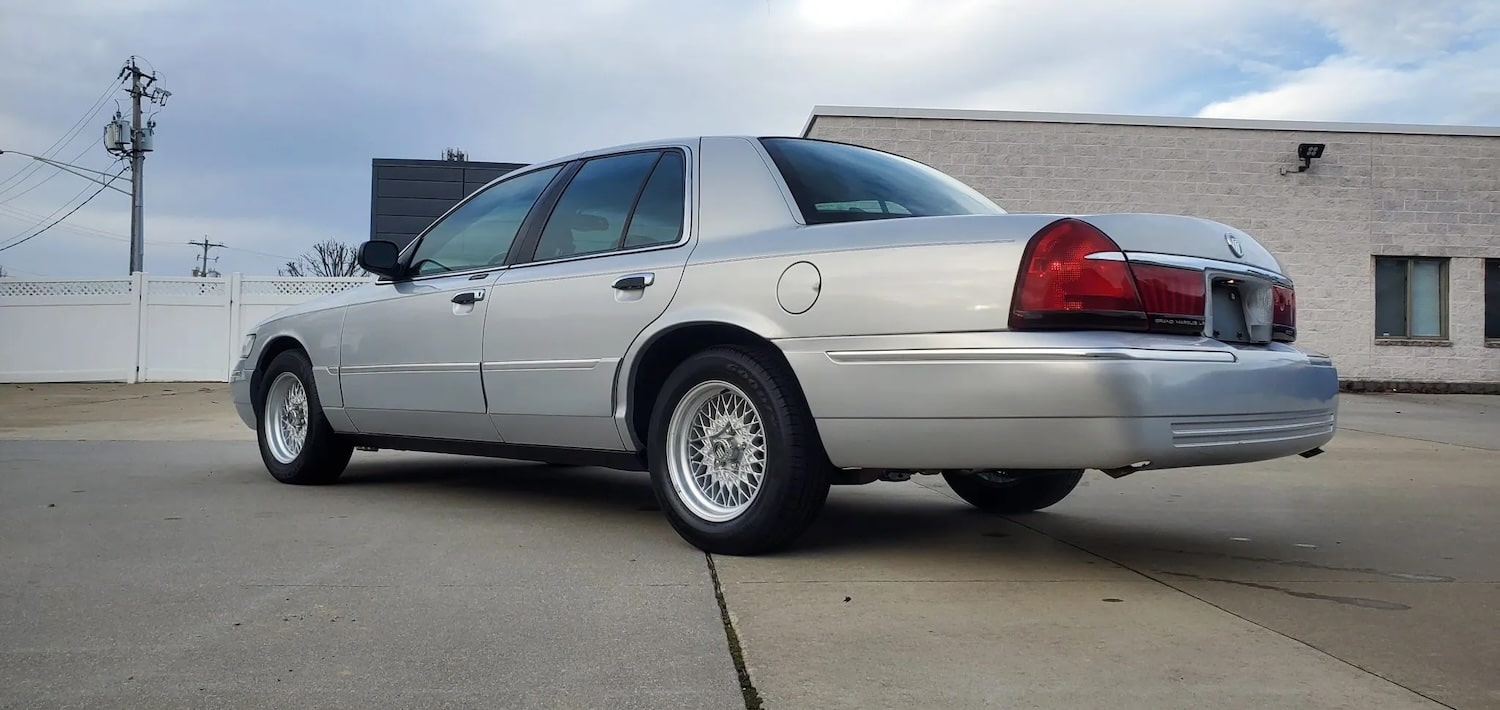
278 106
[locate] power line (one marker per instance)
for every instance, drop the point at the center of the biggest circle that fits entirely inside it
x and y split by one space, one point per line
50 216
44 180
67 138
39 232
82 231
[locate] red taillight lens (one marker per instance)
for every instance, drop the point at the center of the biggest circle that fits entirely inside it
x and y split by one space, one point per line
1059 287
1174 298
1283 314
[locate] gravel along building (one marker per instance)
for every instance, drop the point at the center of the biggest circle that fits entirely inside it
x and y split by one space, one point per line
1391 232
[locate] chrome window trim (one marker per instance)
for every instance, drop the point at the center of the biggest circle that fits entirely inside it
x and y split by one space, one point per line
991 355
1193 262
599 254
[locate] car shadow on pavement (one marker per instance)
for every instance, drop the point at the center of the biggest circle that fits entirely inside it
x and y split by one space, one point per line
854 518
586 487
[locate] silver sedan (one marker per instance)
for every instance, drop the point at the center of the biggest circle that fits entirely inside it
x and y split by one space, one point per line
752 320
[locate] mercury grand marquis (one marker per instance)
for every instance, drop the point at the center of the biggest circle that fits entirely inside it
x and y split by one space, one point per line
751 320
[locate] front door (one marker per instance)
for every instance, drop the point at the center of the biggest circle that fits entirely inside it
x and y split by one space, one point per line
409 360
604 266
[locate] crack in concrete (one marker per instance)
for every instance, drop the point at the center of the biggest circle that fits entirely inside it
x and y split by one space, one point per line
1314 565
736 652
1361 602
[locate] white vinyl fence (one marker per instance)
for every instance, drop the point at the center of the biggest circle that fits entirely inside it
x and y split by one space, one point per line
139 329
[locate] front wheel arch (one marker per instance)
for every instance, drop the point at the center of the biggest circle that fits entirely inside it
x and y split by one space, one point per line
273 347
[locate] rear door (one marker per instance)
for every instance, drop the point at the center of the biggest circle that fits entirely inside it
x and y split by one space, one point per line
601 268
409 359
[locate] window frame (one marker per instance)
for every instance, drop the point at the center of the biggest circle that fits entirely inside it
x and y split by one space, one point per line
525 253
528 224
1444 263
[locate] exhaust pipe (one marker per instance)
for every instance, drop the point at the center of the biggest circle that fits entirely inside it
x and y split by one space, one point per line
1311 452
1124 471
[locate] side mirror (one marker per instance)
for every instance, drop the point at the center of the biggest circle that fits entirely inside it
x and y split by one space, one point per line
379 257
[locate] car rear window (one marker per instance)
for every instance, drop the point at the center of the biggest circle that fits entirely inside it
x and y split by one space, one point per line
839 182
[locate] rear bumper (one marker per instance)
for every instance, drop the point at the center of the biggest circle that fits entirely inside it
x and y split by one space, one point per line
1064 400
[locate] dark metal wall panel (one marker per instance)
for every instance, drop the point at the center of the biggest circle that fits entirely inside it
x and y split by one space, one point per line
420 188
411 206
406 227
407 195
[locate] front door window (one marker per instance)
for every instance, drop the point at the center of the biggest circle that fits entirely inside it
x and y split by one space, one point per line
479 233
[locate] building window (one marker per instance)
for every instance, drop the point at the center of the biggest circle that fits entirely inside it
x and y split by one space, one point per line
1492 299
1411 297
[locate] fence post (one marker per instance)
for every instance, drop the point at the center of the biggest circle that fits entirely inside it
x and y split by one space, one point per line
137 348
235 333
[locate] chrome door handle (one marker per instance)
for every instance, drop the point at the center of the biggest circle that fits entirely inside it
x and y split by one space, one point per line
634 282
468 297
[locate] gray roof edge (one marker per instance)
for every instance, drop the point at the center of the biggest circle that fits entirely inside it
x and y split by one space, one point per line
1256 124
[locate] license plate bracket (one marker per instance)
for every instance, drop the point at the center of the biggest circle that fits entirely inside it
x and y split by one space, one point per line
1240 310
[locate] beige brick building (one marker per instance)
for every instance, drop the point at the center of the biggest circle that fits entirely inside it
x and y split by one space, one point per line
1392 236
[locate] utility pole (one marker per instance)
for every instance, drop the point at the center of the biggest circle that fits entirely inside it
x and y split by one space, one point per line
203 271
141 139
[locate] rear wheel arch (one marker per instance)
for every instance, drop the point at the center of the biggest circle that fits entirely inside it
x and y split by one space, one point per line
667 349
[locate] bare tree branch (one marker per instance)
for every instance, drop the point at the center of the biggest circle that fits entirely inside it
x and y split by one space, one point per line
328 258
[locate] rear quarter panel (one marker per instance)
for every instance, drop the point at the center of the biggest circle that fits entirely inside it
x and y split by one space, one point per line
929 274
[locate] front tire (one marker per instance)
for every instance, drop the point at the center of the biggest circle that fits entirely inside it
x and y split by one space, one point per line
735 461
296 442
1009 493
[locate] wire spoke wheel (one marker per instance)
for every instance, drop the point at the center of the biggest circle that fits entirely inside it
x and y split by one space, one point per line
716 451
286 417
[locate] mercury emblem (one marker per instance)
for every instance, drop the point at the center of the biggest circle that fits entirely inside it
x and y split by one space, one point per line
1235 247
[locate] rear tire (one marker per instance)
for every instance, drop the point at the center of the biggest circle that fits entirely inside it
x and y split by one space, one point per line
1011 493
296 442
735 460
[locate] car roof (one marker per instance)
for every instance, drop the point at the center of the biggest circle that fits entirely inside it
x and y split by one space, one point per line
641 145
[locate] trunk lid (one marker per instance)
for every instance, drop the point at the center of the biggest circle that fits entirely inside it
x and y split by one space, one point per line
1154 272
1179 235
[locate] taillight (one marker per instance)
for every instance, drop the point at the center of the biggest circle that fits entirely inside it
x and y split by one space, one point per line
1283 314
1061 287
1174 297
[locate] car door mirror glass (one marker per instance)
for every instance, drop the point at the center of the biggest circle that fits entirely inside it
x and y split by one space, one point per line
380 257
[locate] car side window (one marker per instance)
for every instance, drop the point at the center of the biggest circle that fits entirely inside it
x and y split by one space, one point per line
479 233
590 215
658 214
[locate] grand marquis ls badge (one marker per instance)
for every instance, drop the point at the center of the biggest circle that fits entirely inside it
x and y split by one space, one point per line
1235 247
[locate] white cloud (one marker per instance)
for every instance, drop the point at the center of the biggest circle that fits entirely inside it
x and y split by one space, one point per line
1398 61
279 105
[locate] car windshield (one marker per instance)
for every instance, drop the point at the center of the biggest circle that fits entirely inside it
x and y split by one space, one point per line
838 182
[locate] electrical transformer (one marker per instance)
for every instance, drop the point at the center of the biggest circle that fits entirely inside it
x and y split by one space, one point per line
116 133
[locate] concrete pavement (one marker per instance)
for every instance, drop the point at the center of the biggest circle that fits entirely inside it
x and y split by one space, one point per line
154 563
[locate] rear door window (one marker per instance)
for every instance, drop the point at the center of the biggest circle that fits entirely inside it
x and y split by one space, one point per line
658 214
590 216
